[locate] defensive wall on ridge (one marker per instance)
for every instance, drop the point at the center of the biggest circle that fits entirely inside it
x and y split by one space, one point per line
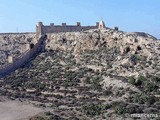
24 58
43 29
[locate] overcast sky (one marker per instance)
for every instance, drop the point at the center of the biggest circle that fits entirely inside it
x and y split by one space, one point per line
128 15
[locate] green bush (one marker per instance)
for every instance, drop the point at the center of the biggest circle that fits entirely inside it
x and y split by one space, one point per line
140 98
93 109
142 78
143 98
149 87
87 80
134 59
37 85
48 113
155 78
95 84
131 109
134 81
120 110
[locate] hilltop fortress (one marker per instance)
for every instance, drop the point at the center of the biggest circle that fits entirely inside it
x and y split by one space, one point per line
41 35
43 29
43 39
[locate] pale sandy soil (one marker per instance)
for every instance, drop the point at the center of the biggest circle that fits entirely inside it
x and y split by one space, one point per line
108 81
16 110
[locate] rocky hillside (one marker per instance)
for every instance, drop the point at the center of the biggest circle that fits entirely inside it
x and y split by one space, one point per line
95 74
119 50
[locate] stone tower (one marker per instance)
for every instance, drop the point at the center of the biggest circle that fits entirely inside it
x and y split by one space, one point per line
101 25
39 29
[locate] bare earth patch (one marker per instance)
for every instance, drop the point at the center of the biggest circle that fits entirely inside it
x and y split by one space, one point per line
15 110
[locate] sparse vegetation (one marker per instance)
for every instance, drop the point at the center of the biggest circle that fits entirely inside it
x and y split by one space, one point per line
120 110
143 98
134 81
93 109
90 78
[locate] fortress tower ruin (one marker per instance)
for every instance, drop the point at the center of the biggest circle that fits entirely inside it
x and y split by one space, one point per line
101 25
52 28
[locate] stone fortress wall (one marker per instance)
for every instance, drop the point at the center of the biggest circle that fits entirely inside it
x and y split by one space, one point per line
33 50
15 63
43 29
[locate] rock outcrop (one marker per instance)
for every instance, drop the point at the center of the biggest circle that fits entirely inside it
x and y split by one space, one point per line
132 48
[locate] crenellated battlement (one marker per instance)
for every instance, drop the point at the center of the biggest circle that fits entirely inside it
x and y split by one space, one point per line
52 28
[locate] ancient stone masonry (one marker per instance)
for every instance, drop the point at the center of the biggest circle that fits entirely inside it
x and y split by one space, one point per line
15 63
43 29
